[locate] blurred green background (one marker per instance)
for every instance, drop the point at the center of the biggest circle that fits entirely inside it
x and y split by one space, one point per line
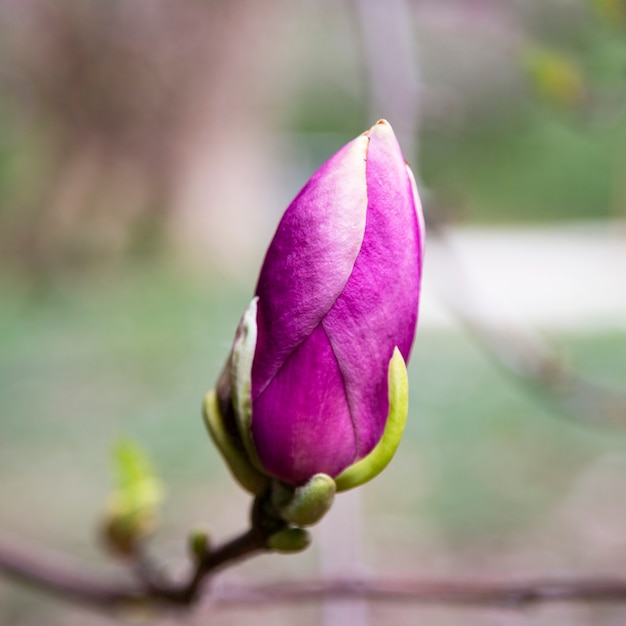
146 154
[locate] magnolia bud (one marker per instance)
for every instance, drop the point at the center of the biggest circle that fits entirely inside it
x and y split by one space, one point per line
316 382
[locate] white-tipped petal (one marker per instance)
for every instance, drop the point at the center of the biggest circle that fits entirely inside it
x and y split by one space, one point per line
241 360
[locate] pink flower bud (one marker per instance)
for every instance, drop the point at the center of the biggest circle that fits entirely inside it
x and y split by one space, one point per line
337 293
315 392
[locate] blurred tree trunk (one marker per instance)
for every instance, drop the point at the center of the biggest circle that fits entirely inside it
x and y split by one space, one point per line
105 107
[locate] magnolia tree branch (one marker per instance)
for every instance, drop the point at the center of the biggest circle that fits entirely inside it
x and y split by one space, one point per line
518 594
76 583
64 578
142 583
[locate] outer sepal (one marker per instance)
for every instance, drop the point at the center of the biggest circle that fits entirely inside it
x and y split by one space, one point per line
230 448
376 461
289 540
241 359
307 504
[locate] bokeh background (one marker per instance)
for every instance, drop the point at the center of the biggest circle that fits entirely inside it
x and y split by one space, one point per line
147 151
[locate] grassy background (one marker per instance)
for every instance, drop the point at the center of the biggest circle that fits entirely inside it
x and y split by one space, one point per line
521 120
488 471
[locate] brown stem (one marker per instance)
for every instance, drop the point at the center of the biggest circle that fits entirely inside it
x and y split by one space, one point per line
242 547
64 578
497 594
72 581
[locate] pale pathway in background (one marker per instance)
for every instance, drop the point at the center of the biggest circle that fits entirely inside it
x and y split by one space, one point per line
568 277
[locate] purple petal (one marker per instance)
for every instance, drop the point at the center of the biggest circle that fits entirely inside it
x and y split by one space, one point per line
310 259
301 422
338 290
377 310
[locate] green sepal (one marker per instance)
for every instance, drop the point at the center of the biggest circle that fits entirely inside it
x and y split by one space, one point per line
376 461
241 358
290 540
199 544
309 502
239 464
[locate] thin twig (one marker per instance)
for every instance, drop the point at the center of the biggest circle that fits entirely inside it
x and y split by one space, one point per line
485 594
245 546
73 581
64 578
